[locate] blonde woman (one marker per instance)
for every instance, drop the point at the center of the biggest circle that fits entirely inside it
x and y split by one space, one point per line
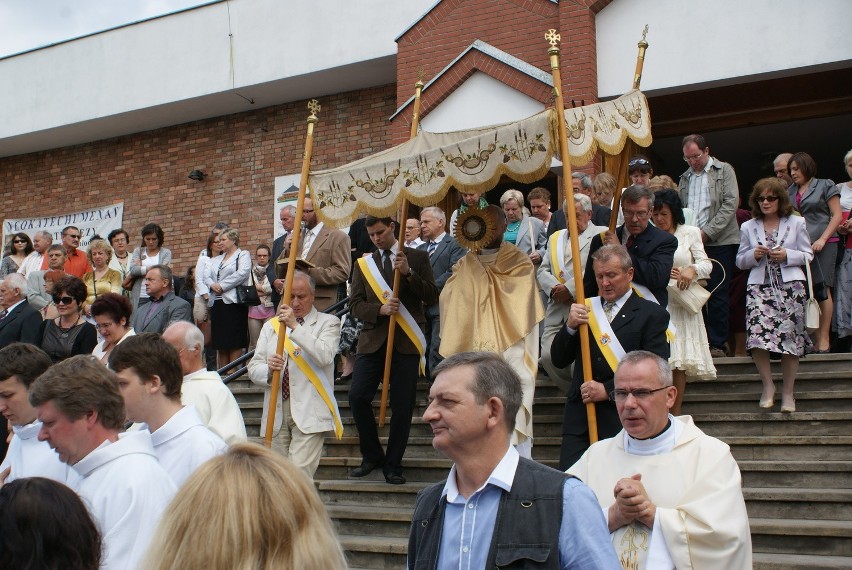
249 509
102 279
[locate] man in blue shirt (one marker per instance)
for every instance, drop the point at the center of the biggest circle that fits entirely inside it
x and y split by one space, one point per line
497 508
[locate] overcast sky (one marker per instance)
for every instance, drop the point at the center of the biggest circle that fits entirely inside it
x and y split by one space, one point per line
28 24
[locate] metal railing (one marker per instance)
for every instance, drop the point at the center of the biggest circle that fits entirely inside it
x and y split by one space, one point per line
343 305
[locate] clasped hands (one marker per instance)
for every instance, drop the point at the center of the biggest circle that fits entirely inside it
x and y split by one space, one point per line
631 504
778 254
684 276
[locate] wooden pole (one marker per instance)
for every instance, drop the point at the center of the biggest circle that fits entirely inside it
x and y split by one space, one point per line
616 204
403 215
640 59
275 385
571 219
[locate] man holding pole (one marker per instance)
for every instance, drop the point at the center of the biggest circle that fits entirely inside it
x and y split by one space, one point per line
619 321
373 303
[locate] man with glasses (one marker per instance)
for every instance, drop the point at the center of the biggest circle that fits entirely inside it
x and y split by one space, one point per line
709 188
672 494
162 307
619 321
35 260
651 250
76 262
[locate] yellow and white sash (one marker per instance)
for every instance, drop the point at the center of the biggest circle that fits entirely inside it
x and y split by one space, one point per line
384 292
557 255
313 372
604 335
646 294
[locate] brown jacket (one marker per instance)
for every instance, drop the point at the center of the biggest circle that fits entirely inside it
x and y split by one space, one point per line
330 254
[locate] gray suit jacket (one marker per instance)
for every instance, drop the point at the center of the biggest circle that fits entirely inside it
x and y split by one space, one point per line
171 310
529 243
446 255
36 293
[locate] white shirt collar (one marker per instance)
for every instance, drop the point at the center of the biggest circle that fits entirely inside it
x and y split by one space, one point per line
663 443
619 303
503 476
316 229
440 238
9 310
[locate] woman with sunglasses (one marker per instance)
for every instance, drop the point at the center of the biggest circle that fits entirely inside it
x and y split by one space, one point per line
775 247
22 246
68 334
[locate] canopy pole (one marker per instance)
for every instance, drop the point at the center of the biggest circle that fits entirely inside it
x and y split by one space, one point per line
571 220
275 384
403 216
640 59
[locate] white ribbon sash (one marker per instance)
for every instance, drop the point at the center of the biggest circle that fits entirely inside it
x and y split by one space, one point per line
603 334
557 255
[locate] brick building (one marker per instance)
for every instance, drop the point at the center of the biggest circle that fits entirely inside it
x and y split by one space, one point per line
126 114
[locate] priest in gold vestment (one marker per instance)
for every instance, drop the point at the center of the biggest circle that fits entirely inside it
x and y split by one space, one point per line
491 303
672 494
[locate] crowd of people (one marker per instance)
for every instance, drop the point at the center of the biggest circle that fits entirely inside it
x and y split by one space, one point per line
108 382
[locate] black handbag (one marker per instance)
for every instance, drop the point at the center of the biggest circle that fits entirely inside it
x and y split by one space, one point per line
247 294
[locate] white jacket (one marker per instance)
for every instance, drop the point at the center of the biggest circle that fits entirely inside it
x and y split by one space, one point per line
29 457
215 404
796 241
318 337
183 443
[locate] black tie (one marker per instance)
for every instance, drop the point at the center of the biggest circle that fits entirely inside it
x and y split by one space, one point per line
387 268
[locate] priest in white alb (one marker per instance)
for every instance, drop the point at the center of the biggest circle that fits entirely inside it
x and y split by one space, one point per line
672 494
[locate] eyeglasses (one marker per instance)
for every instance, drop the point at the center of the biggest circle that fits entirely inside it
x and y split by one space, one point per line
306 211
641 214
103 326
767 198
19 241
693 158
637 162
621 395
72 236
63 300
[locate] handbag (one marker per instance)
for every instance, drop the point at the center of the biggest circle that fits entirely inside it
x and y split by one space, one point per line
812 311
695 296
247 294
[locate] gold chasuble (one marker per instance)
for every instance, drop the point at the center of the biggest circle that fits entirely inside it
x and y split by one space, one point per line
491 304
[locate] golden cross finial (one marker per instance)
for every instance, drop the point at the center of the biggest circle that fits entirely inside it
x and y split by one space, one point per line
420 73
644 32
552 37
314 106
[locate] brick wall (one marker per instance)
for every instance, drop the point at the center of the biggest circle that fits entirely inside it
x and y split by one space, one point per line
241 155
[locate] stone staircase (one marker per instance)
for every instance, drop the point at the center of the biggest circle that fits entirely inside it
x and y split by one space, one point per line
796 468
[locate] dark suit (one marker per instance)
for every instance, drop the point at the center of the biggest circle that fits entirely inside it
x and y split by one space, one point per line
21 324
445 256
652 253
157 318
277 250
639 325
600 217
414 292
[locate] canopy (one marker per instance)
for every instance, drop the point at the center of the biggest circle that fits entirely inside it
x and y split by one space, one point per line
423 169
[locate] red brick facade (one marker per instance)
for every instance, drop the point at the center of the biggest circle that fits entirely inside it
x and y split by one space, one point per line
241 155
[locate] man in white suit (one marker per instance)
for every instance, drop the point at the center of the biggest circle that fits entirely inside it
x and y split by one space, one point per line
306 408
556 279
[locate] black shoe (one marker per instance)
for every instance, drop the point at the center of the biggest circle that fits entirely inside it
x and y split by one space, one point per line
364 469
394 478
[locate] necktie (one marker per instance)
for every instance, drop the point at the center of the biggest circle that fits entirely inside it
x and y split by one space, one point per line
608 308
285 375
629 243
387 267
309 241
433 245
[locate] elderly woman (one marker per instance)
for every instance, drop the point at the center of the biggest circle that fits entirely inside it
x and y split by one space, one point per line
228 318
102 279
818 201
120 260
526 232
775 247
261 313
690 351
843 283
68 334
150 253
112 319
22 246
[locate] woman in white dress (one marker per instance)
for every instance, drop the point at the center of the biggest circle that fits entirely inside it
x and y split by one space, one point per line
690 351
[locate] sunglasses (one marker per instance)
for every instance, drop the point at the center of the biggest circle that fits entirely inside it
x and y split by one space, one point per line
63 300
72 236
19 241
767 198
637 161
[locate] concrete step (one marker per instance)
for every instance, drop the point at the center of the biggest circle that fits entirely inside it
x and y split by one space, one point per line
775 423
798 503
800 536
811 363
546 448
374 552
370 493
772 561
353 520
416 469
737 402
796 448
797 474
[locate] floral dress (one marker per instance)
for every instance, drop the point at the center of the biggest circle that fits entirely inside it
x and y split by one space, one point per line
776 311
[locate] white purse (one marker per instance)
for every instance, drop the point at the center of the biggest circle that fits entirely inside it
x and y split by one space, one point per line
695 296
812 311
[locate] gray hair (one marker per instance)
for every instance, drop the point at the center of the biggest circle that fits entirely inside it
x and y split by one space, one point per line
165 273
17 281
231 233
45 234
193 338
636 193
512 195
611 251
493 378
585 179
783 157
664 371
847 157
584 202
312 285
435 211
290 207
